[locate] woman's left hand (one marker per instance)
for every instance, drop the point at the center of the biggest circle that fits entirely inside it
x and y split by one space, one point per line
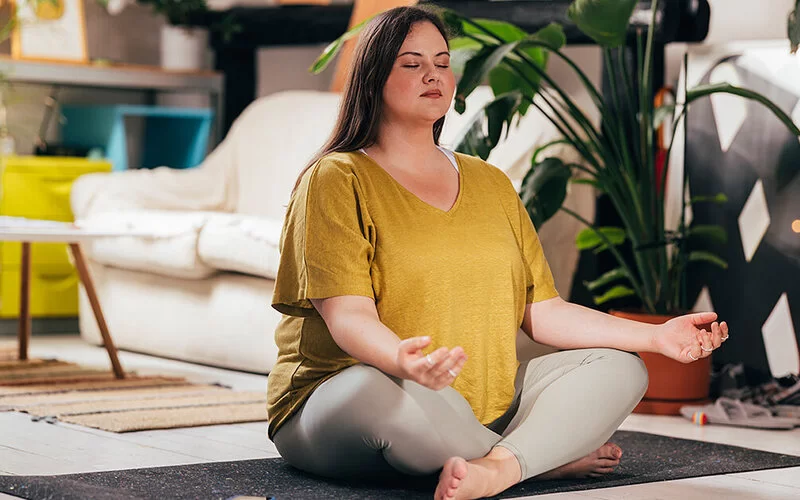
683 340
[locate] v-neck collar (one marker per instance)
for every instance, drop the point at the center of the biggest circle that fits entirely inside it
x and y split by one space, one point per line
419 200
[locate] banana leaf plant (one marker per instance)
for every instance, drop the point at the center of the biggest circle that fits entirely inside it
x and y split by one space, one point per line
617 156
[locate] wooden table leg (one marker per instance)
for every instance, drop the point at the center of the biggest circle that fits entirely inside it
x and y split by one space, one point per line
88 284
24 330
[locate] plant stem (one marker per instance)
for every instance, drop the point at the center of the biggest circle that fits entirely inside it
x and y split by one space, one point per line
617 255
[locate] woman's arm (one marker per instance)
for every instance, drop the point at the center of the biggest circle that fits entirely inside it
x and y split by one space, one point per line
561 324
558 323
356 328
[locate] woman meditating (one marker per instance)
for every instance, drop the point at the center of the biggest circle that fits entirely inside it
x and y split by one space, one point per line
406 271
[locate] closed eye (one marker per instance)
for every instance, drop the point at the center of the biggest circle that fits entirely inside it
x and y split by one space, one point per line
417 66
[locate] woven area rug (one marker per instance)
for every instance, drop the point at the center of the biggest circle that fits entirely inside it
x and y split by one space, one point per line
59 391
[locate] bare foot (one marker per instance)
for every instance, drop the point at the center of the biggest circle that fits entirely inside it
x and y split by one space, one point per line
487 476
455 471
595 464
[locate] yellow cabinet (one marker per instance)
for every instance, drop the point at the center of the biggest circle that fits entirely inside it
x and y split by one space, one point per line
38 187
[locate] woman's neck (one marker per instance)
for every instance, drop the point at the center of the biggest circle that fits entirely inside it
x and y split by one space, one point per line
407 146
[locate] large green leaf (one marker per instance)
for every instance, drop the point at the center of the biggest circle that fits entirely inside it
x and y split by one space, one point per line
616 292
524 75
553 34
710 232
506 32
544 189
701 256
793 27
475 142
727 88
464 43
503 79
604 21
477 69
612 275
496 114
334 47
588 238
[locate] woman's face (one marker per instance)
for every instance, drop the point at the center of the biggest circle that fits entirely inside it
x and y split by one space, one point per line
421 84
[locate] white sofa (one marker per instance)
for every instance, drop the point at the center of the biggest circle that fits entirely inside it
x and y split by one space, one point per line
199 288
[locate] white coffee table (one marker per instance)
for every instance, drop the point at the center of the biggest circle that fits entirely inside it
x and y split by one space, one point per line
27 231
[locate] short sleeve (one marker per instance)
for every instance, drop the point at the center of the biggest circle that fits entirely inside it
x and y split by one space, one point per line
327 242
541 285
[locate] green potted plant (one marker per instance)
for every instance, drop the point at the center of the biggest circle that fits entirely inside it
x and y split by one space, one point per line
184 46
618 158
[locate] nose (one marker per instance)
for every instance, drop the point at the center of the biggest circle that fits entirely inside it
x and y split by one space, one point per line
431 76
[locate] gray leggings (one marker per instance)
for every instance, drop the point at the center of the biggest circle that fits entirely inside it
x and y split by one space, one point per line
362 422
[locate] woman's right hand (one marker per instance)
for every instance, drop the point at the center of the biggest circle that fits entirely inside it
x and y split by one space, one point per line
436 370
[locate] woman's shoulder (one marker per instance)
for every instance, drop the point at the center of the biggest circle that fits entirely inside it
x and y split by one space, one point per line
337 167
479 166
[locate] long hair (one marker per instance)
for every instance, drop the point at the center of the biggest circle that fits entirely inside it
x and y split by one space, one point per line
373 58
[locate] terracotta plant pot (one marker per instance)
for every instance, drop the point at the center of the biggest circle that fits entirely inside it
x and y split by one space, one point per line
672 384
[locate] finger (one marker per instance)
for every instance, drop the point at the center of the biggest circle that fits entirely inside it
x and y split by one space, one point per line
702 318
429 361
447 363
701 339
414 344
694 353
724 327
453 372
716 335
449 376
707 344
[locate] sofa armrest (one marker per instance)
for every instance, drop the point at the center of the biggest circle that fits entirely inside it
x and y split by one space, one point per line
210 186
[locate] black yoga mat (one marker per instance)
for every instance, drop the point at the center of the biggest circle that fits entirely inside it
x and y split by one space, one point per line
646 458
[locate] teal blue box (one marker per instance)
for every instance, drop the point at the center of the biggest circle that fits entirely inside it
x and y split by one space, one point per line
174 137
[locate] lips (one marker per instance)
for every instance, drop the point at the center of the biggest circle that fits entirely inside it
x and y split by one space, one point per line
432 93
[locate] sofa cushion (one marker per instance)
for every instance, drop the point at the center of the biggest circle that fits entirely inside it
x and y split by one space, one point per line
275 137
169 248
241 243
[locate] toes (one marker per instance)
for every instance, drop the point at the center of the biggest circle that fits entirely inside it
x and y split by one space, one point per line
603 470
607 462
459 469
610 450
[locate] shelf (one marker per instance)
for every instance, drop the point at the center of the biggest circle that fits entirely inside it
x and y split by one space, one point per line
112 76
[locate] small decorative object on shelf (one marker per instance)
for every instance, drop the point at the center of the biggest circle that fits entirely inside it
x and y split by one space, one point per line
184 46
50 30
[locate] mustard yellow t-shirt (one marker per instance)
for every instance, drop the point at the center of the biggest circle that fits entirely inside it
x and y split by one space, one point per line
461 276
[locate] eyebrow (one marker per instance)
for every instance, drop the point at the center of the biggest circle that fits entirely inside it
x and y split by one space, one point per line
445 53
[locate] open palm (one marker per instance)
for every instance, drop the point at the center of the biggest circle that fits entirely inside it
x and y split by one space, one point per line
687 338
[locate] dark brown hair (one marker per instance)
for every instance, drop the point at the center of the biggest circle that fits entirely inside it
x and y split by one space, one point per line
373 58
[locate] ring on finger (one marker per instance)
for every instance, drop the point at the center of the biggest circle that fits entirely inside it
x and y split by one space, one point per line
689 353
430 359
452 373
706 350
725 338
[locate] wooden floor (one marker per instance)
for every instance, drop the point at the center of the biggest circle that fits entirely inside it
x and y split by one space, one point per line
28 447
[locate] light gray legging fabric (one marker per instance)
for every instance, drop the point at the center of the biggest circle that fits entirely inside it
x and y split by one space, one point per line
362 422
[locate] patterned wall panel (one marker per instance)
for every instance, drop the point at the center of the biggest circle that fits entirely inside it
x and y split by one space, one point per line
739 148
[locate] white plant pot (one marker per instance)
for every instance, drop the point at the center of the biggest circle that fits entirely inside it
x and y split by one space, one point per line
184 48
